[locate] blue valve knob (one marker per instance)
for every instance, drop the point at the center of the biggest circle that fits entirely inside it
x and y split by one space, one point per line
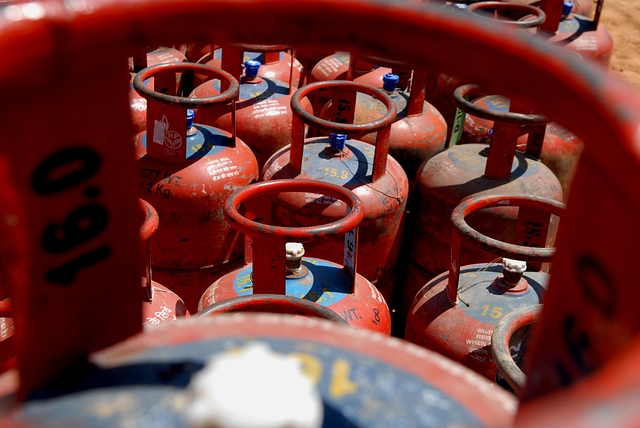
251 68
190 116
389 82
337 141
567 6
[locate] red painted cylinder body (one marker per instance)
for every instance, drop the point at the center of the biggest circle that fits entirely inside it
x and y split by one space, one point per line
187 179
329 284
456 312
560 152
138 104
159 304
376 178
263 111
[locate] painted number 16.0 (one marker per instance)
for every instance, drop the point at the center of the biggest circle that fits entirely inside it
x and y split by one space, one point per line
58 173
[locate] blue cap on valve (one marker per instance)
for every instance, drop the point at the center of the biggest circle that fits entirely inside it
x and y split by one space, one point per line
567 6
389 82
251 68
337 141
462 6
190 116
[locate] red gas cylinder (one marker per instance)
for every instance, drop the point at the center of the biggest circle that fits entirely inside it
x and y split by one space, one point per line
186 172
276 63
161 55
368 171
263 114
472 170
159 304
153 378
456 312
561 149
418 132
510 15
274 265
577 33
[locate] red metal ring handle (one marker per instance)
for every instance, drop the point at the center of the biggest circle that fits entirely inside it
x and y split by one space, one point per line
344 128
474 91
500 338
252 228
212 72
494 246
274 303
539 14
151 221
261 48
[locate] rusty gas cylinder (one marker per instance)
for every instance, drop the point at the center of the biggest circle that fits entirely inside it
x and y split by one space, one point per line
561 149
511 16
469 170
418 132
580 34
186 172
275 265
263 114
159 304
368 171
151 378
138 104
456 312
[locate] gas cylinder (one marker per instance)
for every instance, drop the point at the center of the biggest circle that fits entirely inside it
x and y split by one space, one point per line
186 172
561 149
275 264
578 33
456 312
368 171
275 62
419 130
159 372
160 55
441 86
159 304
580 7
263 113
463 171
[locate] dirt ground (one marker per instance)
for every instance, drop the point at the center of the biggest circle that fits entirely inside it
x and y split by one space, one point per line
622 19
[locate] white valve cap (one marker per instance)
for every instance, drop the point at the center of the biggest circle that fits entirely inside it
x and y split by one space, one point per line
253 388
294 250
514 266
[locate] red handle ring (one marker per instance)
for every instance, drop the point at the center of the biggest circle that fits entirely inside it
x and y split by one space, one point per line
252 228
461 230
500 338
382 125
474 91
539 14
274 303
180 67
